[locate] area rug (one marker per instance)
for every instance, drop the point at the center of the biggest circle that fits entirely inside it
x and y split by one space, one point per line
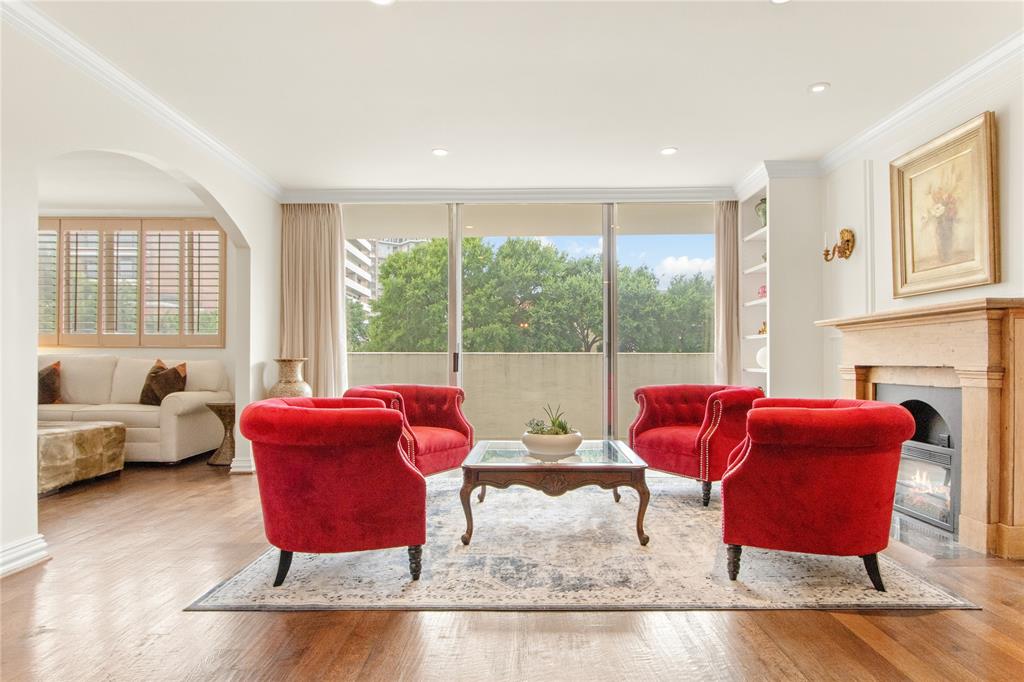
574 552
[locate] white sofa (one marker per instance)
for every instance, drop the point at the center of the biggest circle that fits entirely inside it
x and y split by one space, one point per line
107 388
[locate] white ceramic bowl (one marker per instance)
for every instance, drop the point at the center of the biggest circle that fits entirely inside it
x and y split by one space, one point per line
552 448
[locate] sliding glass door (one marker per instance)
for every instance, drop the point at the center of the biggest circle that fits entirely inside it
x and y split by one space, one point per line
515 302
665 321
396 293
532 330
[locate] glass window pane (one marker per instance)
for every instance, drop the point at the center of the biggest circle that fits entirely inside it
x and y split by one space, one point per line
396 293
665 256
532 324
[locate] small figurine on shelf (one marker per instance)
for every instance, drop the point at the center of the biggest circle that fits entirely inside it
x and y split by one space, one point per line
764 257
762 291
763 329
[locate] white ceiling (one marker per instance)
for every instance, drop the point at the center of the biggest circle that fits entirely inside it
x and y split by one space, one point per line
111 184
343 95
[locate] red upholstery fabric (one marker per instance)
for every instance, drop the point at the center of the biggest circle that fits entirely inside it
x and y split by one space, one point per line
436 431
815 476
332 476
690 429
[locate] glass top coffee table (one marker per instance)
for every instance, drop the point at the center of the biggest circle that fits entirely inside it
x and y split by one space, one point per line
610 464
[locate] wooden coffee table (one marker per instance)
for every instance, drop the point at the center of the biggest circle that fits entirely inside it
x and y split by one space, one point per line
610 464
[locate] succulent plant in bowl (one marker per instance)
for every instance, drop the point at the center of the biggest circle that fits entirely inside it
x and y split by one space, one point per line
551 439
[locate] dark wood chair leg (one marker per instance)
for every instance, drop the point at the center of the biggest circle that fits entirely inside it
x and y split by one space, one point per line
415 560
283 564
871 564
733 563
705 489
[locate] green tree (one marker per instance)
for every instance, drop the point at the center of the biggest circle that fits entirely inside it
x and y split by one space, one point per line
412 311
691 311
356 324
569 313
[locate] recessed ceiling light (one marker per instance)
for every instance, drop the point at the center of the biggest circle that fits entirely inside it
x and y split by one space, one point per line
439 152
383 2
818 88
778 2
469 227
668 151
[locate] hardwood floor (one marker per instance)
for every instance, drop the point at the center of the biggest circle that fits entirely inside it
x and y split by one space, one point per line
131 553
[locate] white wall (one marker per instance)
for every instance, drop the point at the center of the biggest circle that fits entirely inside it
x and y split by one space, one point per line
857 196
51 108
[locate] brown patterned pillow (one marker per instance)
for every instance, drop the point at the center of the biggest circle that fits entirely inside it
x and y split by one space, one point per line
49 384
161 382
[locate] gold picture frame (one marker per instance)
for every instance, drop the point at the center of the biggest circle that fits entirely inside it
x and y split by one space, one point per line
945 211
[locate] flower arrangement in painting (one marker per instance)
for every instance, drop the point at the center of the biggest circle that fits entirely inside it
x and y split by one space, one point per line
943 213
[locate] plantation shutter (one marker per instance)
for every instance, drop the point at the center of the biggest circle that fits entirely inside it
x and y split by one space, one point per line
120 298
47 249
202 279
80 309
131 282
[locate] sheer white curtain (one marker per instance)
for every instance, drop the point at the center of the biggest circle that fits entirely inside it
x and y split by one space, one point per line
727 300
313 293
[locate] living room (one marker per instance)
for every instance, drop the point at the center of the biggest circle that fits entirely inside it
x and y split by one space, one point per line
684 339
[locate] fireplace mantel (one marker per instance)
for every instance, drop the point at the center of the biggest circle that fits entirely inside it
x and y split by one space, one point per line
977 345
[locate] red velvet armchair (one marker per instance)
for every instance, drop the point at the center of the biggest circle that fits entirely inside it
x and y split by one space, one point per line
333 477
815 476
690 429
437 435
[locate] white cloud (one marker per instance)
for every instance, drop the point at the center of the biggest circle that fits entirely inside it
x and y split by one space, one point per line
672 266
577 250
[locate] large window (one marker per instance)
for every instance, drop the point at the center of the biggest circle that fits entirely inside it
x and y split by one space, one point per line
513 302
131 282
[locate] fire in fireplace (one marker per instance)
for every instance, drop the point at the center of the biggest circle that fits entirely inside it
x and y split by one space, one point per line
928 483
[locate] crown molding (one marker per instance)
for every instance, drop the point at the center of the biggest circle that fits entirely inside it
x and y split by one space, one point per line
45 212
792 169
37 25
751 183
507 196
1003 52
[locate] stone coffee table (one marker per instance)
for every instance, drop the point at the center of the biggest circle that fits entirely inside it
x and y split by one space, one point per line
610 464
76 451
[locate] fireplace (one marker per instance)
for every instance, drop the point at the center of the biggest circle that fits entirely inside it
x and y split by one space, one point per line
928 483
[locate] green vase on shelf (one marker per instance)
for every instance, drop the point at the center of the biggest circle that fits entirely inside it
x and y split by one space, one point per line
761 209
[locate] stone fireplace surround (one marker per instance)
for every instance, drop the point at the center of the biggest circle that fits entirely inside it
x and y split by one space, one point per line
975 345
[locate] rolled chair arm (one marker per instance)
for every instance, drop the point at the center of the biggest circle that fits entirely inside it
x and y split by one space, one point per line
834 427
186 402
723 428
669 405
815 403
280 423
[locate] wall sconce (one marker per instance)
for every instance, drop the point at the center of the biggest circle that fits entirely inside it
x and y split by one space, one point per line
843 248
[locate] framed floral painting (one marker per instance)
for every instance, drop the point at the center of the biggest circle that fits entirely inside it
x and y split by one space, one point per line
945 211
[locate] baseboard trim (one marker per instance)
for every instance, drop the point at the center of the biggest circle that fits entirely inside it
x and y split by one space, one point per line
22 554
242 466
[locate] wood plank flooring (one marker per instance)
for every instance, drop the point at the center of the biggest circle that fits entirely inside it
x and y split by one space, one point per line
131 553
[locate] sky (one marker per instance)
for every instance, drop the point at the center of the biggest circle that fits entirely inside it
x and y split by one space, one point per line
667 255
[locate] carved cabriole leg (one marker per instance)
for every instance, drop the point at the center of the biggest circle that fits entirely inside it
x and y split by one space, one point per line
415 560
483 493
871 564
616 495
733 563
284 562
467 490
645 497
705 492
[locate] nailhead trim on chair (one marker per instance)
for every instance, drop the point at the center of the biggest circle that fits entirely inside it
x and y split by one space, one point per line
705 441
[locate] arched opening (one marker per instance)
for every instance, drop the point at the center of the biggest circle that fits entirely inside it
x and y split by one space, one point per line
119 185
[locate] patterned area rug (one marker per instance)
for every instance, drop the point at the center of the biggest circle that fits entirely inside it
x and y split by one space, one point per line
575 552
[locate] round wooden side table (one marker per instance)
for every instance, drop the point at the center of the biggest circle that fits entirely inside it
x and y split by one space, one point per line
226 452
